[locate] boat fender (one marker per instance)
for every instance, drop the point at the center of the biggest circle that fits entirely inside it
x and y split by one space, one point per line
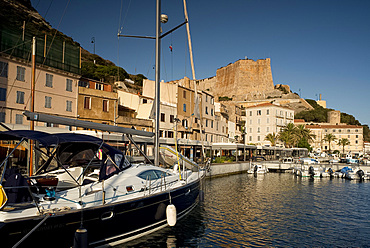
80 240
175 167
171 215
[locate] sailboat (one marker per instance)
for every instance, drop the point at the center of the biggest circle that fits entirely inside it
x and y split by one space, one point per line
85 192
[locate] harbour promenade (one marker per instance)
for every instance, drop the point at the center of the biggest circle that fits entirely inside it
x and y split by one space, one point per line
223 169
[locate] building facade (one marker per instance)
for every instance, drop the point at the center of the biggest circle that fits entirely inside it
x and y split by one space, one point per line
55 91
97 102
262 119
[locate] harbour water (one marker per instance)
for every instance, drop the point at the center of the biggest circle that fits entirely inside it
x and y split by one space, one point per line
278 210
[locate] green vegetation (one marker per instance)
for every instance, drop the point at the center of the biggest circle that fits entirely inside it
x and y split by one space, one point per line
330 138
224 98
105 70
343 142
224 159
291 135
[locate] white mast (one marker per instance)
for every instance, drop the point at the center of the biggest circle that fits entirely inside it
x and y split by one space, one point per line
157 82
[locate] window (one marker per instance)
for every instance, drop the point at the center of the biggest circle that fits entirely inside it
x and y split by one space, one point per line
267 112
206 123
206 110
250 113
211 112
259 112
356 130
250 138
268 120
2 117
258 138
105 105
2 94
20 97
356 142
69 85
69 106
349 130
258 129
47 102
259 121
250 121
250 130
340 130
145 101
211 124
195 120
333 130
98 86
3 69
170 134
185 123
21 71
268 129
184 94
18 119
49 80
172 118
163 117
184 107
87 103
83 84
356 136
206 98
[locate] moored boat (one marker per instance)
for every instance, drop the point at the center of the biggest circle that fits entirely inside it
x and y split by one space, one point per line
81 181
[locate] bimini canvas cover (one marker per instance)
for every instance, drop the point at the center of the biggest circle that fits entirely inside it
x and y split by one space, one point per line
74 142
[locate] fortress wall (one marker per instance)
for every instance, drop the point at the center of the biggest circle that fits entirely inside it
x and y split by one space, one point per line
244 76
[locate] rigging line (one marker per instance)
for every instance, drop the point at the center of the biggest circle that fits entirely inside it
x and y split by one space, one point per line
151 59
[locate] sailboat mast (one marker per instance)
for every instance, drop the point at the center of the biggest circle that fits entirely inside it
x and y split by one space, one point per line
157 82
194 79
189 41
32 107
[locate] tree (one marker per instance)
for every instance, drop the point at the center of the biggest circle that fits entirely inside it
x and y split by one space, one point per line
289 135
272 137
329 138
305 133
343 142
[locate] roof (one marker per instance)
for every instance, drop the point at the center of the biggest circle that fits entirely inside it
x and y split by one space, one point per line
267 104
333 126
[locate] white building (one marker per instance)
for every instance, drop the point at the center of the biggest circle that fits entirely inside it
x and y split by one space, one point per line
263 119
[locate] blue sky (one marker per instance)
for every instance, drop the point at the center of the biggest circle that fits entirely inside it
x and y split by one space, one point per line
316 47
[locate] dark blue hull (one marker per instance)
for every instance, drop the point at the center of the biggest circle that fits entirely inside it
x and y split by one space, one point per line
108 224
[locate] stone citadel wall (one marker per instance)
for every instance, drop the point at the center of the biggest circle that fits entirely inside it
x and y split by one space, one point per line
239 79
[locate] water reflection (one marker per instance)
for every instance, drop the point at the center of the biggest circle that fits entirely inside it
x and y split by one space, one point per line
272 210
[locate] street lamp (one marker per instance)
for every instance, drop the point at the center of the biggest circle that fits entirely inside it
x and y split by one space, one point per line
93 42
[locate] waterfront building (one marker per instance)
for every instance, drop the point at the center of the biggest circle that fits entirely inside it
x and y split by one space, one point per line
221 122
97 102
56 91
353 133
134 111
263 119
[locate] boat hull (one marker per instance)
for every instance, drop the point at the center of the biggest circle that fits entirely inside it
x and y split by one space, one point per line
106 225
